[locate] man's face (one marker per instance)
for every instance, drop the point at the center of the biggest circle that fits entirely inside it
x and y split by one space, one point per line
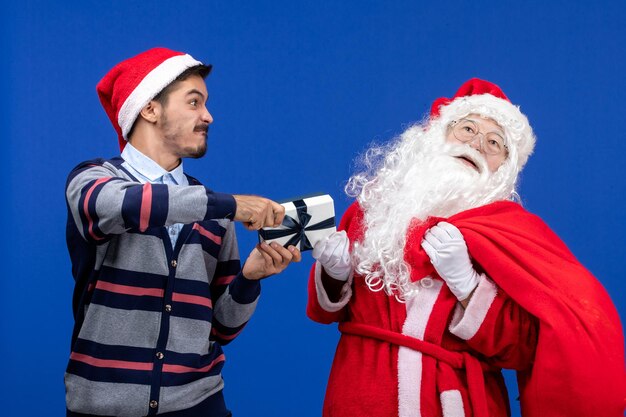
484 129
185 120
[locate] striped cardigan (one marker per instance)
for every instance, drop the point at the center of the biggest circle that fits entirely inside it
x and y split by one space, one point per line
150 319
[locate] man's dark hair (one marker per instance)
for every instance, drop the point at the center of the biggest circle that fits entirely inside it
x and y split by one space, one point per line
201 70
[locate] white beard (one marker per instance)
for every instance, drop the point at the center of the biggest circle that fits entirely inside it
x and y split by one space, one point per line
420 177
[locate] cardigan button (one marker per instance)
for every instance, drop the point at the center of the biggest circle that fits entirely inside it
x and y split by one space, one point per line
160 355
168 308
154 404
174 263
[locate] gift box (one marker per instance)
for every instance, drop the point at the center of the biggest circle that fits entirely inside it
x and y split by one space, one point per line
306 222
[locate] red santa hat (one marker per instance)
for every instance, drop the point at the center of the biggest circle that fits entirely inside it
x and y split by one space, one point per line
130 85
482 97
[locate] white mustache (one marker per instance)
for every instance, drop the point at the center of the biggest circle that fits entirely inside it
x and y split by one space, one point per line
466 151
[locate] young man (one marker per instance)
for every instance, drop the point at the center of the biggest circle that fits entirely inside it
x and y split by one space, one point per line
438 281
159 286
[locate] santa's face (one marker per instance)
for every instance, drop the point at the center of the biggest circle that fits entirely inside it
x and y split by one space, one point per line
482 134
429 172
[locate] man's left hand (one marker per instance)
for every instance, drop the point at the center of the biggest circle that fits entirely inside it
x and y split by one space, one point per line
269 259
448 253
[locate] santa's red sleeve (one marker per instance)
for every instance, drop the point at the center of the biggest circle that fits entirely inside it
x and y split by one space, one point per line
496 327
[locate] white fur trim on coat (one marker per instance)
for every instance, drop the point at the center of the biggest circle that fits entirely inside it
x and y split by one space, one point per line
452 403
418 312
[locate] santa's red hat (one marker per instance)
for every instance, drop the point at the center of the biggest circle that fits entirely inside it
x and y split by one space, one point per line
482 97
132 83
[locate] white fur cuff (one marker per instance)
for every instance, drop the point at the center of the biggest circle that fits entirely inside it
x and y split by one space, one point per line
322 296
466 322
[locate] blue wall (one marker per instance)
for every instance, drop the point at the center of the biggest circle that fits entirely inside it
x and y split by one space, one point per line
298 90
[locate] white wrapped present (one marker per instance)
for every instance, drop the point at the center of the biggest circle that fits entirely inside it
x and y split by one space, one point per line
306 222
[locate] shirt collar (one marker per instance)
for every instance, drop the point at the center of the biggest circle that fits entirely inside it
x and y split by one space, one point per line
148 168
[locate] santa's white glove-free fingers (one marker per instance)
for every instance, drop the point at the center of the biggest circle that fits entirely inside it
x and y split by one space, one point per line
333 253
448 253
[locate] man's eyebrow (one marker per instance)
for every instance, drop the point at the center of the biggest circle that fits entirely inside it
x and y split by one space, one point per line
195 91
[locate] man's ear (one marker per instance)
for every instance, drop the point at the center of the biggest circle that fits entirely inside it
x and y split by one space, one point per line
151 112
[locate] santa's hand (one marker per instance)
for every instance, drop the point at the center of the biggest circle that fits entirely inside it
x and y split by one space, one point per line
448 253
333 253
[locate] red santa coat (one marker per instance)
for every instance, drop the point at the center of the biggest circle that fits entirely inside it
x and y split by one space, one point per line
543 299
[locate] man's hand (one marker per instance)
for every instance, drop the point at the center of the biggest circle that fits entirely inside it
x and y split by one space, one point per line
257 212
333 253
448 253
266 260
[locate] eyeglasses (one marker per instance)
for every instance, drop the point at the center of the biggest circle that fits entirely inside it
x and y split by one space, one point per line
466 131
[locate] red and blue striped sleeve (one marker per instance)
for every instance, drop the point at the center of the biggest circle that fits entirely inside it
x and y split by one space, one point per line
103 204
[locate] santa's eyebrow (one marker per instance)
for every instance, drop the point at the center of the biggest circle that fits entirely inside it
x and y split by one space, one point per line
499 130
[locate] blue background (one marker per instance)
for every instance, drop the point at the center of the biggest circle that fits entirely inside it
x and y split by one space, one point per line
298 90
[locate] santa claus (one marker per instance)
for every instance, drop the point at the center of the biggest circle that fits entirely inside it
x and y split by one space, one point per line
439 279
